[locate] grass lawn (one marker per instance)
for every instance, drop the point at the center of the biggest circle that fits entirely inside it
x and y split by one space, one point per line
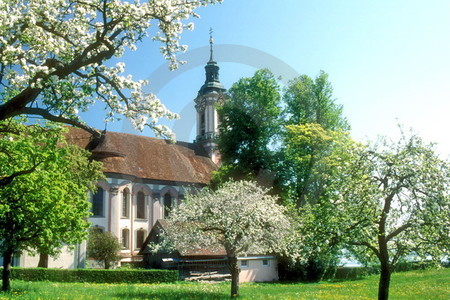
430 284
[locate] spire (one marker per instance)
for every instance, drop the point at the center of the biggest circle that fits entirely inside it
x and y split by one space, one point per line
211 41
212 83
211 93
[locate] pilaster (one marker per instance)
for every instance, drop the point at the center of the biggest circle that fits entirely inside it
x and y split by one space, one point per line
157 208
114 210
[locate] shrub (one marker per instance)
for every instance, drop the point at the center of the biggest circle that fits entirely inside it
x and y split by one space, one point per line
351 273
95 275
312 271
132 265
103 246
358 272
414 265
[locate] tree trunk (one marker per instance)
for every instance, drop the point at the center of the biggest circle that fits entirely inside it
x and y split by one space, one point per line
383 255
7 259
234 270
385 269
107 264
43 260
385 280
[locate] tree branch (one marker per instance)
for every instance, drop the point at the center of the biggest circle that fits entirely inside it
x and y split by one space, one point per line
397 231
48 116
209 229
7 180
53 31
368 245
97 136
17 103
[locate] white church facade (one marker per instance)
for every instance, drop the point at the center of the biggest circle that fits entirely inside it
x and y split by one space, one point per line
145 179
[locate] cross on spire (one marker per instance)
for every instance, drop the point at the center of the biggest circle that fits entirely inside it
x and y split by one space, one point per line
210 44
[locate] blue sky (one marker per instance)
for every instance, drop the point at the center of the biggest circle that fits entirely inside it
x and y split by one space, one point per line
388 61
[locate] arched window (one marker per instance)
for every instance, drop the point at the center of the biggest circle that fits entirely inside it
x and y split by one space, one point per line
126 203
140 238
97 203
167 204
125 238
140 205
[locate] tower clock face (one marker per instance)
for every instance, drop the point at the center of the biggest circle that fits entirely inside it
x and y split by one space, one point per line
200 104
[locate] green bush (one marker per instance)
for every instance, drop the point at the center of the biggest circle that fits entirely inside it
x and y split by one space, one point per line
132 265
414 265
358 272
351 273
313 270
94 275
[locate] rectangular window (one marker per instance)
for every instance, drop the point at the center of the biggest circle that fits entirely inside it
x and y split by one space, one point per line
244 263
265 262
97 203
125 203
140 206
124 209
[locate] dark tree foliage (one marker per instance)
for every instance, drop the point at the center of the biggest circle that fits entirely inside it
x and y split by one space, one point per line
287 142
308 102
311 101
315 130
249 126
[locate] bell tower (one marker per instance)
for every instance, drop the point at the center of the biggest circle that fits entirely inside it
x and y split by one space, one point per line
211 94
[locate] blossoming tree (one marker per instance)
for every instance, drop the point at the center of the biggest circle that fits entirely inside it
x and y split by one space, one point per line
392 204
53 55
239 217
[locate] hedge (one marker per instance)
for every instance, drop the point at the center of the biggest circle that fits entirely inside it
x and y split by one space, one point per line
358 272
351 273
94 275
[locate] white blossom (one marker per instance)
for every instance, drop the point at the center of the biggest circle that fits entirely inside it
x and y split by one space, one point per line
239 216
59 49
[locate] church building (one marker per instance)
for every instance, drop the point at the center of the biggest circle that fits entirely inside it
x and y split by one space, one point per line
146 177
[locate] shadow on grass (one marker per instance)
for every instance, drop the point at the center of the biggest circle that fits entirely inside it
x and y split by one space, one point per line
163 295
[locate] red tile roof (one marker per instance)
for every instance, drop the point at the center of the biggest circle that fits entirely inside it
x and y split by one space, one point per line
149 158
